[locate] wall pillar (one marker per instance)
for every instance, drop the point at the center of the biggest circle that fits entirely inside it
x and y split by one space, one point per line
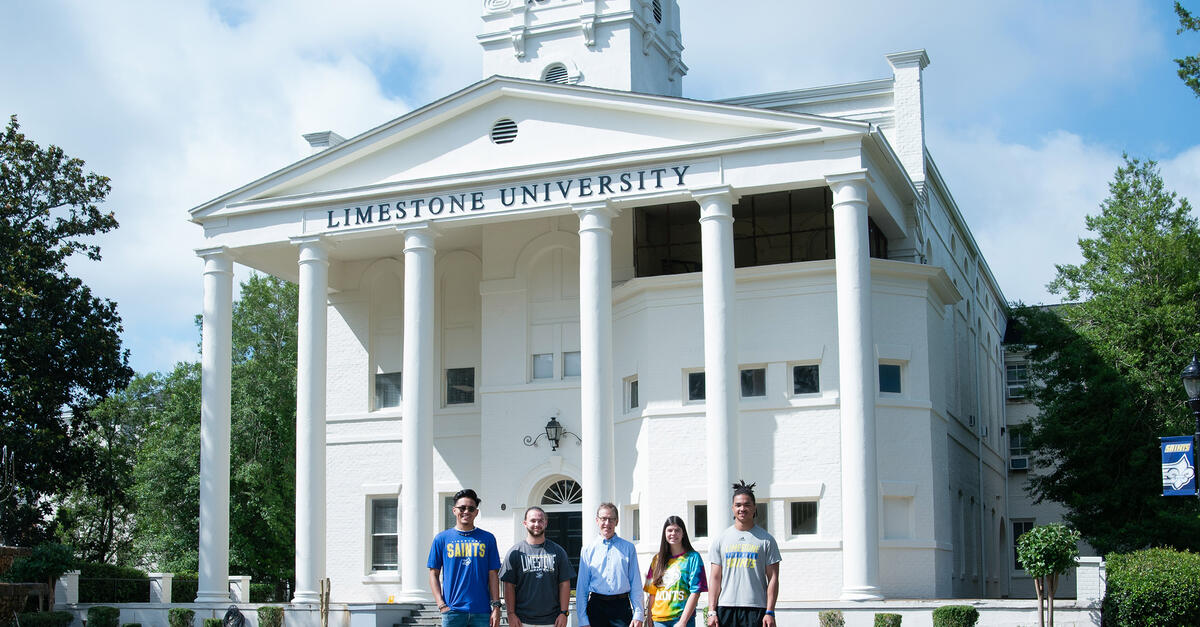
595 345
311 343
418 393
720 352
160 587
856 389
216 363
66 589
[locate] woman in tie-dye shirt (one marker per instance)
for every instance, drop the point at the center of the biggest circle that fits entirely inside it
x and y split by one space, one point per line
675 579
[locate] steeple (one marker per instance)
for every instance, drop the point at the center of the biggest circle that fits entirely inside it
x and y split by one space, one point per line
632 45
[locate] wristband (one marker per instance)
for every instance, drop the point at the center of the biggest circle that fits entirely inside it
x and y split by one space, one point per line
769 612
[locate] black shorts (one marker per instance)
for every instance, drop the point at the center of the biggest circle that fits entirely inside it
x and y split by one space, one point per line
740 616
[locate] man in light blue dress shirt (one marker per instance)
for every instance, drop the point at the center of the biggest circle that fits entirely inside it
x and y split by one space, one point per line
608 592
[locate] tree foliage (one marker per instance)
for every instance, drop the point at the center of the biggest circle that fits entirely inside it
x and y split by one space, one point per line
1045 552
1107 368
262 477
60 349
1189 66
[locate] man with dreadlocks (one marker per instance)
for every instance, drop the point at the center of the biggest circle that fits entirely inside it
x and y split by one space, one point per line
743 582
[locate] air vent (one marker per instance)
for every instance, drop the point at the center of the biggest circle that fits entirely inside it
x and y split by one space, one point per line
657 8
1020 462
504 132
556 73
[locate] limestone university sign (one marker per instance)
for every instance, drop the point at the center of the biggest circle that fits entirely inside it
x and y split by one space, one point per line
509 198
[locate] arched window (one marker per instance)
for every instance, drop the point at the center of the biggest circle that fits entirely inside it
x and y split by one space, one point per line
565 492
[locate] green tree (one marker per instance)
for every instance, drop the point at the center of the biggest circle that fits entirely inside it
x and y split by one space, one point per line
45 565
1107 368
262 478
1045 552
1189 66
60 348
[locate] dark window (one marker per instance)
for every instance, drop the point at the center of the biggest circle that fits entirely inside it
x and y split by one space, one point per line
448 511
667 239
1017 379
804 518
754 382
695 386
700 520
889 378
385 549
635 533
387 390
460 386
806 379
1018 441
633 394
1019 529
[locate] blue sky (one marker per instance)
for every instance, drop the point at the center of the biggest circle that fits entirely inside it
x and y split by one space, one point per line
1029 106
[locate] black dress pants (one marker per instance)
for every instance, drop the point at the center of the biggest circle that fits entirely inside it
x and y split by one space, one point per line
609 611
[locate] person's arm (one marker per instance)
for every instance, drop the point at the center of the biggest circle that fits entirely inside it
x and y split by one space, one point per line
564 603
581 588
714 593
689 608
772 593
635 584
494 594
435 584
510 599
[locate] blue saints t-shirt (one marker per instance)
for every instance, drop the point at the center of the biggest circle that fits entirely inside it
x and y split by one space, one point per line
465 557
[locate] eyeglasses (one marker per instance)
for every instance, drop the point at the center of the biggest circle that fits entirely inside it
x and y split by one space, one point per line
606 519
466 508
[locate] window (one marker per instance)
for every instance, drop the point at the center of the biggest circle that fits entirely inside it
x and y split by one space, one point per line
803 518
1019 529
572 364
695 386
543 366
700 520
448 520
387 390
762 513
460 386
635 518
889 378
806 379
563 492
385 543
1017 379
754 382
631 393
1018 441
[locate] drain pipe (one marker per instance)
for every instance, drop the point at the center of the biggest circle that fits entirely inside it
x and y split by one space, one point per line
982 561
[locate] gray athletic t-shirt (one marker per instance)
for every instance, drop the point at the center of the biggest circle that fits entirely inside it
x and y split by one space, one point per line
536 570
744 557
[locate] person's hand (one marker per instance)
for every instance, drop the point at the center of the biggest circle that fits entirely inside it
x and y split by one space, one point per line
495 619
635 623
712 619
561 621
768 621
513 620
443 608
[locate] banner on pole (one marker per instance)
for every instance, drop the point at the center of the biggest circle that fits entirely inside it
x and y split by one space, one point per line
1178 466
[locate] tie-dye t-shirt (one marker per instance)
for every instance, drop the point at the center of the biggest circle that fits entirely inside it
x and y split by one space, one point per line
683 575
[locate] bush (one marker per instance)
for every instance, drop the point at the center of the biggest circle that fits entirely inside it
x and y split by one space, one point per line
104 616
131 625
887 620
1152 588
212 622
266 593
181 617
270 616
46 619
106 583
831 618
955 616
183 587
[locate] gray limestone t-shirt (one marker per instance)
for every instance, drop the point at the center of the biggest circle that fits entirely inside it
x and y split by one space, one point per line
744 557
536 570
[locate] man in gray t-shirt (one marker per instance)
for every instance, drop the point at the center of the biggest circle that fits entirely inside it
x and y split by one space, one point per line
536 575
743 581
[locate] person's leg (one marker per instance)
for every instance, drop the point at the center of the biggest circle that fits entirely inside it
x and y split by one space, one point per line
455 619
478 620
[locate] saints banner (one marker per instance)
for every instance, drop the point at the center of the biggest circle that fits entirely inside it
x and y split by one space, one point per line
1178 466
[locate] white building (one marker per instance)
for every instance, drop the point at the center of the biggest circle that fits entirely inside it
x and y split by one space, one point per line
571 238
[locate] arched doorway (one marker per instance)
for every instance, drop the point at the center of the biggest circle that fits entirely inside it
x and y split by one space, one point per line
563 502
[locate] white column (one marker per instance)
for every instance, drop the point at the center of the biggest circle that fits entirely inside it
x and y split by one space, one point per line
418 392
160 587
856 389
595 350
216 362
720 352
311 348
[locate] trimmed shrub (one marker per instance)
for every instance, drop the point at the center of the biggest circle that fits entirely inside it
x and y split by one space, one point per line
887 620
181 617
184 586
267 593
131 625
46 619
831 618
106 583
104 616
270 616
955 616
1152 588
212 622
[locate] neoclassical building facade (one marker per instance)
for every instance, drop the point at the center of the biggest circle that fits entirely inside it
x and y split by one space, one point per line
777 288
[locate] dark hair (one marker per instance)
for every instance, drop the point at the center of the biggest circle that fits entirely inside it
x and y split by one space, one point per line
467 494
741 487
606 505
664 549
532 508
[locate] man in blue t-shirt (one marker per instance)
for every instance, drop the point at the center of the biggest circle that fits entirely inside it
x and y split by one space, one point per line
463 569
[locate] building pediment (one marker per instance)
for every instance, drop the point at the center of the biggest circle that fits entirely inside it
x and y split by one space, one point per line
554 125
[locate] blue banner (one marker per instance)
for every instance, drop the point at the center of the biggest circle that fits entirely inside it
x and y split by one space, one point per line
1178 466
